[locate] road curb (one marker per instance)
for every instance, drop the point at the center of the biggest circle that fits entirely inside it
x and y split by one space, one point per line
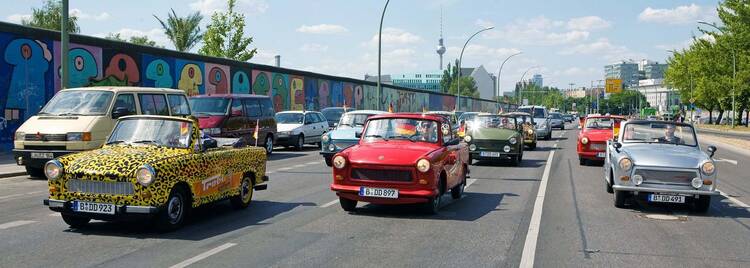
731 134
12 174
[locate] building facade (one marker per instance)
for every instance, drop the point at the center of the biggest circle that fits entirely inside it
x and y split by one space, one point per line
485 81
658 94
424 81
537 80
627 71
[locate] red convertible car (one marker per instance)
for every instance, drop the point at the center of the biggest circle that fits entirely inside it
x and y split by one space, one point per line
592 139
402 159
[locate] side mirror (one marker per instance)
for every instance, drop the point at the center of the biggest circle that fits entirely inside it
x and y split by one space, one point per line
711 150
617 146
358 134
335 124
208 144
120 112
579 127
452 142
549 117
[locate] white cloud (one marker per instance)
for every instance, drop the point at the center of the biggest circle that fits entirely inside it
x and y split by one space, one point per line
677 15
208 7
17 18
588 23
578 71
86 16
484 23
481 51
538 31
395 36
313 47
604 50
267 57
322 29
156 34
685 44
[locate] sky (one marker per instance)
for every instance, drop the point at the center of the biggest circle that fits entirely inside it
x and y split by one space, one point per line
564 41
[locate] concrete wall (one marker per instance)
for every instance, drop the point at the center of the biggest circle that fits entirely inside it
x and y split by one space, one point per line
30 76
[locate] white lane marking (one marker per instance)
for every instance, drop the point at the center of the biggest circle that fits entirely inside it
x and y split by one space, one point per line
312 163
17 195
734 200
269 172
54 214
469 182
14 178
203 255
298 166
14 224
733 162
282 169
330 203
532 235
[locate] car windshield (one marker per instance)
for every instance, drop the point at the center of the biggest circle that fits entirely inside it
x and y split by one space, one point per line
290 118
402 128
556 116
333 115
78 102
495 121
353 120
599 123
537 112
524 119
209 106
147 131
466 117
659 132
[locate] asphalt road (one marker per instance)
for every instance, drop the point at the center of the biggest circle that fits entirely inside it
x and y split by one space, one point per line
297 222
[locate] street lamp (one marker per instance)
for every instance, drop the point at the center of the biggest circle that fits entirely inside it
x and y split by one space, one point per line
501 70
734 69
460 58
380 43
522 76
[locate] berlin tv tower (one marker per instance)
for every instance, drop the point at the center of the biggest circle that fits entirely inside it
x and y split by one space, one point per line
441 48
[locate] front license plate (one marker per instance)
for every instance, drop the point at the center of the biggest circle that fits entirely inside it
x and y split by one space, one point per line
42 155
602 154
489 154
89 207
378 192
662 198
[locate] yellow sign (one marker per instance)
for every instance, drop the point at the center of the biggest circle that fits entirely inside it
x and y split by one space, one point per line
613 85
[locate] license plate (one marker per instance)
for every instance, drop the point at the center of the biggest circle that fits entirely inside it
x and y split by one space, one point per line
662 198
602 154
378 192
42 155
89 207
489 154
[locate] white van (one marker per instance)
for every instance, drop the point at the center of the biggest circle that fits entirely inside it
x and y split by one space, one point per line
542 121
80 119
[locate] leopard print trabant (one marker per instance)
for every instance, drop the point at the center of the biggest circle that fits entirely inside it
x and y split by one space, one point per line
212 175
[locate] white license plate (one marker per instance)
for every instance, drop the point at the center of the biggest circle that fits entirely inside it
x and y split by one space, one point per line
666 198
42 155
378 192
89 207
602 154
489 154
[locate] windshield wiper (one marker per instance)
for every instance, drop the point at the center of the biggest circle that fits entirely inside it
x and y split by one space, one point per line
410 138
115 142
147 141
376 136
65 114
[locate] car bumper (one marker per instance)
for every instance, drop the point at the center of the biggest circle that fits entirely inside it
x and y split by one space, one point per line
286 140
409 196
121 211
328 154
557 125
26 160
503 155
591 155
640 189
541 133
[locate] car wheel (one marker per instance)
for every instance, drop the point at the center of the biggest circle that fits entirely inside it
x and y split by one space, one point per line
320 145
702 204
35 172
243 200
269 145
433 204
532 146
300 142
328 161
458 190
582 161
608 184
516 161
470 161
75 221
562 127
620 198
348 204
549 135
172 216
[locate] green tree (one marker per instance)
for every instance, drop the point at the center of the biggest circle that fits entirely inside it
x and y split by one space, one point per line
50 16
184 32
468 87
225 36
449 74
138 40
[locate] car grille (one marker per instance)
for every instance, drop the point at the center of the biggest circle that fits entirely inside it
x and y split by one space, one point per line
343 145
45 137
666 176
490 143
596 146
99 187
381 175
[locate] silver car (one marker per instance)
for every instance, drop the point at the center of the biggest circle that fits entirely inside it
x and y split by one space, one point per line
660 162
556 120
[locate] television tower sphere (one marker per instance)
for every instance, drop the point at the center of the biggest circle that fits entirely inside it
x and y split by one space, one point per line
441 47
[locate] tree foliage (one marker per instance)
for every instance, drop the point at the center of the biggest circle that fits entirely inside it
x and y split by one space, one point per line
138 40
50 17
184 32
468 87
225 36
450 73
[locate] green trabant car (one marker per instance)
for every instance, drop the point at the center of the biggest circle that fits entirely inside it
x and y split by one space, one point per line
495 137
526 122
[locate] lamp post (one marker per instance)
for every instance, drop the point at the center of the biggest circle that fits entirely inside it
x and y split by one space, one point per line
380 44
460 58
734 69
499 91
522 76
64 65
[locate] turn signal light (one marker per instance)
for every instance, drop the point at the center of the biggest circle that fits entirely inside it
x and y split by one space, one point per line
146 195
625 178
86 136
52 189
422 181
339 177
707 182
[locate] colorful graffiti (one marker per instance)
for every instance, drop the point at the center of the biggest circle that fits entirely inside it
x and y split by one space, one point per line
217 79
261 85
297 92
240 82
280 92
158 71
191 77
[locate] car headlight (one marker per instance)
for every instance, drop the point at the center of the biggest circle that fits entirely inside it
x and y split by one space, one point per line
325 138
513 140
585 140
530 131
423 165
78 136
145 175
331 147
637 179
212 131
696 182
506 148
708 168
467 138
284 133
339 162
625 164
20 136
472 147
53 169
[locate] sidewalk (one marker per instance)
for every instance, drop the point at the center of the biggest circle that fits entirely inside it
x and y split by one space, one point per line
8 167
722 132
739 145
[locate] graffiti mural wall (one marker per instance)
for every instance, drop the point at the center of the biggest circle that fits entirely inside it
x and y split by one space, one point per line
30 76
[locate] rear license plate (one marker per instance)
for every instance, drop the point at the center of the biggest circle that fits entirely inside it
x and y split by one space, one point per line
378 192
489 154
601 155
661 198
89 207
42 155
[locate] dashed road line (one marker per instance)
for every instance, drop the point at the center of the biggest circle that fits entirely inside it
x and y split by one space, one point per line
203 255
298 166
312 163
734 200
284 169
532 235
733 162
2 198
469 182
14 224
54 214
330 203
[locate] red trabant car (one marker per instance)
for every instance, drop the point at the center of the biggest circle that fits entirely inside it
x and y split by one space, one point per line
402 158
596 130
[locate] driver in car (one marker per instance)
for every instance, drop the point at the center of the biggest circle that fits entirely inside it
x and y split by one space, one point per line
669 136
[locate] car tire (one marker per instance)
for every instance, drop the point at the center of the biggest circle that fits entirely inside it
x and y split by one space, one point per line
348 204
702 204
458 190
608 184
549 135
433 204
562 127
619 198
532 146
516 161
320 145
329 161
269 145
300 142
582 161
243 200
35 173
173 215
75 221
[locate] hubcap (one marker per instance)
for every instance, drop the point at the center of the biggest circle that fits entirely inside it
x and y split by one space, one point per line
301 142
269 145
174 209
245 192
